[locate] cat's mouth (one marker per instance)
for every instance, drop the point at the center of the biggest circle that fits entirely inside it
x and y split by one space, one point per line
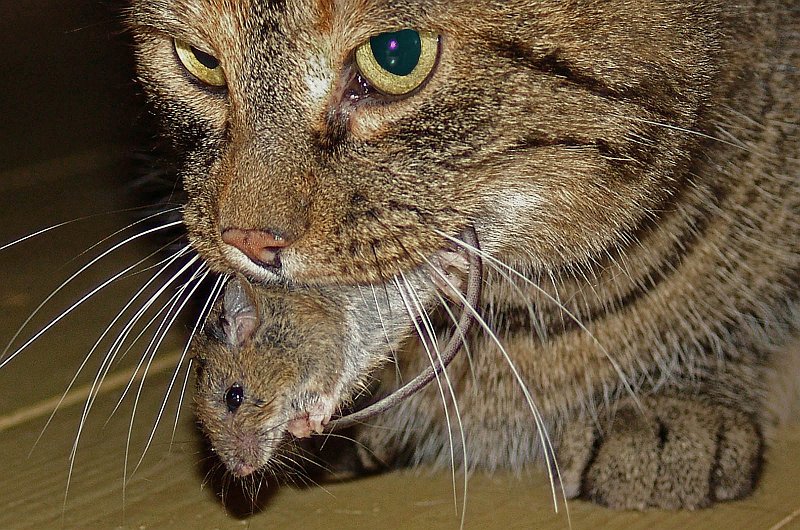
447 267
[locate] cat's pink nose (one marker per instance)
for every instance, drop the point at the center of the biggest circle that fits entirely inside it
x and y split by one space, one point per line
262 247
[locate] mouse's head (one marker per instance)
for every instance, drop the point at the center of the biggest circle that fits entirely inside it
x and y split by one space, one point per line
269 365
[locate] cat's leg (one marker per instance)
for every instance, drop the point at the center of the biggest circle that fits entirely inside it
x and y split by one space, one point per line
671 453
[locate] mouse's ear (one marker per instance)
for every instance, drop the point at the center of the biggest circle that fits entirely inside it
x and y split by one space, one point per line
239 314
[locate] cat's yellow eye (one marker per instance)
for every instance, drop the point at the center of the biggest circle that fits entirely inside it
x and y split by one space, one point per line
200 64
397 63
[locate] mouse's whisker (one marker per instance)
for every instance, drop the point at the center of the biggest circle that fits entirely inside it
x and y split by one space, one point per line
300 452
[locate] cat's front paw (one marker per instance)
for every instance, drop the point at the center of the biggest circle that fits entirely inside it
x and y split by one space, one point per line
672 453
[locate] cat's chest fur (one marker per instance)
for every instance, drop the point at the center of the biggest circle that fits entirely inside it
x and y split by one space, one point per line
630 167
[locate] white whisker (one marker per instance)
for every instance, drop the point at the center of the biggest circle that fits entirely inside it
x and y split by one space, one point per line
494 261
200 321
420 308
78 220
414 312
163 327
204 313
155 347
9 358
114 351
99 340
103 370
543 436
393 353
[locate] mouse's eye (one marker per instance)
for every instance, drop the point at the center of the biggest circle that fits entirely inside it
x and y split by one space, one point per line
200 64
234 397
397 63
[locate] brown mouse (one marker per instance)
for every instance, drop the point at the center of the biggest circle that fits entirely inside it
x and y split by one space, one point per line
275 361
268 366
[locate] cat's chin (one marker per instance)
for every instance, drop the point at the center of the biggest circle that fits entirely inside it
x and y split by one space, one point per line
241 264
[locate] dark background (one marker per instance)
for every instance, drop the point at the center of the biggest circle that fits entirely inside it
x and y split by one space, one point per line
66 81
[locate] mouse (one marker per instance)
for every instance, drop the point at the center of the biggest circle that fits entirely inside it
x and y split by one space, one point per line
275 364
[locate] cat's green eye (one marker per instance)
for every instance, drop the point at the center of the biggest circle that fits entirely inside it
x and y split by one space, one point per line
200 64
397 63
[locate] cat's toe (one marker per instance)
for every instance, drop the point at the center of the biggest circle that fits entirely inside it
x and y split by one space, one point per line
739 458
671 454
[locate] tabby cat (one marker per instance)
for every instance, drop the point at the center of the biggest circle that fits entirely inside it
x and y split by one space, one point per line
631 169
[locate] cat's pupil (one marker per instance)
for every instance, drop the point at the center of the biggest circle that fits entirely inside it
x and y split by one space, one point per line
209 61
397 52
234 397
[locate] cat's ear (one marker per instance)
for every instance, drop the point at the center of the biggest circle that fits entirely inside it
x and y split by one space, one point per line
239 317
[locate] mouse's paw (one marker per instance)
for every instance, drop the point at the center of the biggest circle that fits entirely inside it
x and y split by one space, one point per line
313 418
673 453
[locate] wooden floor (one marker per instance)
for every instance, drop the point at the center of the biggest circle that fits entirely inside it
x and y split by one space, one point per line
59 161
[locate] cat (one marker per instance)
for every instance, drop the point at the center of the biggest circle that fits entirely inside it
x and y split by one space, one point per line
630 168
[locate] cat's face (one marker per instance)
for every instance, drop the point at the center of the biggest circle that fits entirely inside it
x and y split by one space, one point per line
554 127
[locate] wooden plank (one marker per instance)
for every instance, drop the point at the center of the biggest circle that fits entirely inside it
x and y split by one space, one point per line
168 490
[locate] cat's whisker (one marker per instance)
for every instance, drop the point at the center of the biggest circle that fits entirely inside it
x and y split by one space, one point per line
114 350
105 367
204 313
163 328
142 221
420 308
427 335
443 303
6 358
541 428
468 354
62 224
175 307
699 134
492 260
206 310
102 336
392 352
178 307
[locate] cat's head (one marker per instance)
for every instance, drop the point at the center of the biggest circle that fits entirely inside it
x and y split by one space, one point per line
326 143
